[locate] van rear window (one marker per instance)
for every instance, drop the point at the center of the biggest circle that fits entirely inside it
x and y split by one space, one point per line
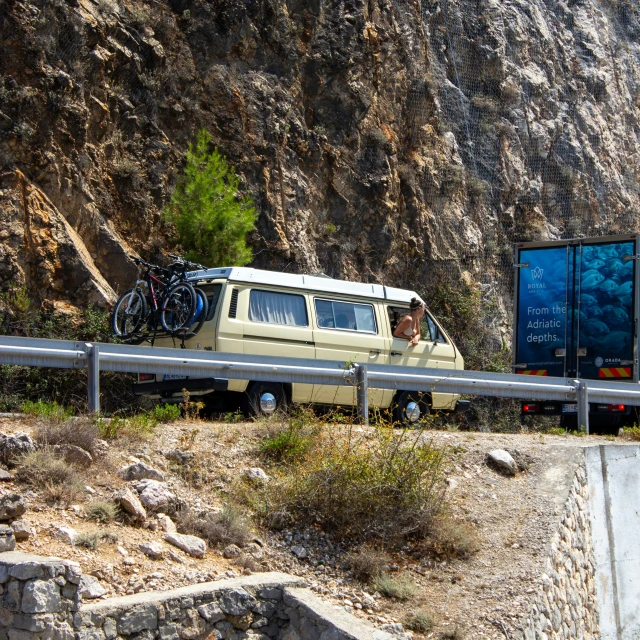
347 316
277 308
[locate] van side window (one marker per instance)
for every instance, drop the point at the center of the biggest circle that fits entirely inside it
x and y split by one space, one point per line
277 308
347 316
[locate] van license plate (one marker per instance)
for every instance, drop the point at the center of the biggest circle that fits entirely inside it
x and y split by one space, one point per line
569 408
173 376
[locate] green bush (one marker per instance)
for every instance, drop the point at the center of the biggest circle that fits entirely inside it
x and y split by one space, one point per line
289 436
378 485
166 412
136 427
211 218
50 411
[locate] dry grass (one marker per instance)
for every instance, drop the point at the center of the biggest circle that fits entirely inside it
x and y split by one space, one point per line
93 540
399 587
451 538
82 433
46 471
229 526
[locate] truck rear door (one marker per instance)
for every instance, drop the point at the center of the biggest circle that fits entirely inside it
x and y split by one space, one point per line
576 308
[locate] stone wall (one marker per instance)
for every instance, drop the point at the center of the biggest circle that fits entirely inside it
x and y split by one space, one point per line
42 601
566 606
39 597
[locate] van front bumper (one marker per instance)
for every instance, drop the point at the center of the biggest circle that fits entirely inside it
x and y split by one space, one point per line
167 388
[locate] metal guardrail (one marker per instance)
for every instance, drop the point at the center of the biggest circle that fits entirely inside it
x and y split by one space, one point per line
96 357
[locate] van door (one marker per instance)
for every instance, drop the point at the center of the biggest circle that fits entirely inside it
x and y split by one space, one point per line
277 324
434 350
350 332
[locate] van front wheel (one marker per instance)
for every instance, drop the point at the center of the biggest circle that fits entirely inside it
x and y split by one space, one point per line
263 399
411 407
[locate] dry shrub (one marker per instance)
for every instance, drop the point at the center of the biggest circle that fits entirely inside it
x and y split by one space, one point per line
399 587
82 433
368 564
373 485
102 511
452 538
452 633
93 540
229 526
44 470
419 620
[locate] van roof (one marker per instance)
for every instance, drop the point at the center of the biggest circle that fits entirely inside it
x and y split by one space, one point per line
297 281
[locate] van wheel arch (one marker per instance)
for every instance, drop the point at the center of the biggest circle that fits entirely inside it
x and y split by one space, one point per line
270 395
405 400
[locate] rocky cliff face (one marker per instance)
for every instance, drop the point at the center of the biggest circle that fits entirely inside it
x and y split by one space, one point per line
381 140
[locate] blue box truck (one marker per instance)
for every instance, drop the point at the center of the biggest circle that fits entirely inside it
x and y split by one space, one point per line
575 316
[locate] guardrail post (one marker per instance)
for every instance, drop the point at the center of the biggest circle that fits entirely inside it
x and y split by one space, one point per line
93 377
362 393
582 397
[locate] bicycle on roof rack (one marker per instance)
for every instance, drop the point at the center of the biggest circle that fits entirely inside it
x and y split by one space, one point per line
162 302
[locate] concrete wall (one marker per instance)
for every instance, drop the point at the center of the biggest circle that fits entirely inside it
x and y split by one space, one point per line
613 473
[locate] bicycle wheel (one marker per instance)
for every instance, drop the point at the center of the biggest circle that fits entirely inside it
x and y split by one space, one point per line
202 309
178 307
128 314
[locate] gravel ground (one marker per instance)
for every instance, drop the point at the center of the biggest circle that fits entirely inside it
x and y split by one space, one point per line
484 595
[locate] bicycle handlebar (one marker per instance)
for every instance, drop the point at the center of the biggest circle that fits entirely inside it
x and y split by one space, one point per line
181 262
186 263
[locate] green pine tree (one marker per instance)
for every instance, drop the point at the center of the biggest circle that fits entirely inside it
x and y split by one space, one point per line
211 218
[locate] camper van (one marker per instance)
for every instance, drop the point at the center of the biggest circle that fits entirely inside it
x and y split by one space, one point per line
267 313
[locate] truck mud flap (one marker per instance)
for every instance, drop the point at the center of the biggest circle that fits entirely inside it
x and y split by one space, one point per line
168 387
462 406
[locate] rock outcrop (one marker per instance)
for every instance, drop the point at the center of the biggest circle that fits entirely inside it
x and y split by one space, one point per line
379 139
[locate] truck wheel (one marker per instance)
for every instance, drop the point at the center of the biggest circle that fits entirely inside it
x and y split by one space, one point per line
263 399
411 406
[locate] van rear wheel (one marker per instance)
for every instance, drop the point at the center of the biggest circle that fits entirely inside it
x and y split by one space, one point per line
411 407
264 399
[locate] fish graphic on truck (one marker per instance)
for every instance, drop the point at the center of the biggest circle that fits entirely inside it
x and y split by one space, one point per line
576 305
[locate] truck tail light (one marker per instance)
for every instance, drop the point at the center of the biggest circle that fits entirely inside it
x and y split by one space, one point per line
616 407
145 377
531 407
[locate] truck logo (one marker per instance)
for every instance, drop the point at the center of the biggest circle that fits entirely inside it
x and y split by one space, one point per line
599 361
537 273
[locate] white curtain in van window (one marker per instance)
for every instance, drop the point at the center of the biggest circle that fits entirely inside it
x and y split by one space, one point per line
277 308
